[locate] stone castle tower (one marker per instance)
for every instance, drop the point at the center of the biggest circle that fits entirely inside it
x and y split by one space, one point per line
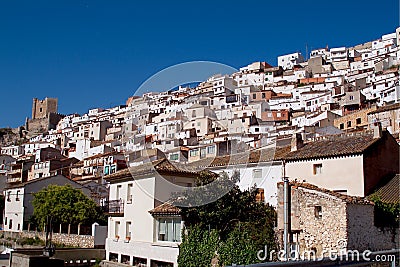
41 108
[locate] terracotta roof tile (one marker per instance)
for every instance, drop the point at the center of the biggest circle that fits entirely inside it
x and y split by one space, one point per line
390 192
346 198
165 209
385 108
334 146
261 155
161 166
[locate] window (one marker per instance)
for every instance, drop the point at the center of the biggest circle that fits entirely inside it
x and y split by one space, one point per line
260 195
128 233
263 95
211 149
5 221
117 196
257 174
10 224
351 97
8 196
358 121
194 153
174 156
194 113
107 170
17 198
169 229
349 124
341 126
256 130
317 169
116 229
129 194
318 212
254 96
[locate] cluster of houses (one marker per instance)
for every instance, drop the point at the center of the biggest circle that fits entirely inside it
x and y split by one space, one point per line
329 122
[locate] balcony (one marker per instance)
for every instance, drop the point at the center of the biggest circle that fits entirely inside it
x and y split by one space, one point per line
114 207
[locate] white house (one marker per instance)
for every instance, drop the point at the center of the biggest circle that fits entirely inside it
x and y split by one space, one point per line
288 61
18 200
141 230
261 168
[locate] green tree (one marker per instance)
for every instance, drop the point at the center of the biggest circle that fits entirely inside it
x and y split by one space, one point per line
387 214
64 204
244 226
198 247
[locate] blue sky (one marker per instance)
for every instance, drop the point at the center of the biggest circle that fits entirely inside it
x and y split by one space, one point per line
96 53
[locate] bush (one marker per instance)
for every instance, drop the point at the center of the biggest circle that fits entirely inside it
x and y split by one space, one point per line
31 241
198 247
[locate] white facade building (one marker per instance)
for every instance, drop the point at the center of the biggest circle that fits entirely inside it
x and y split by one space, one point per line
288 61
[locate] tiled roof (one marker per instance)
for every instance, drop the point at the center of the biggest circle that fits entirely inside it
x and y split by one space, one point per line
385 108
346 198
390 192
334 146
262 155
162 166
103 155
165 209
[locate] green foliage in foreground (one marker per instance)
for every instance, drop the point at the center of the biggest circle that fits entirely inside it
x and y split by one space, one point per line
230 230
386 214
64 204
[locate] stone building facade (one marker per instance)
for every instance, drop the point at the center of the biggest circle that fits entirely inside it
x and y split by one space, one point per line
388 116
322 220
41 108
354 120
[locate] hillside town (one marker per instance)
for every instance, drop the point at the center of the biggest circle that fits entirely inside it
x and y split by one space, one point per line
327 124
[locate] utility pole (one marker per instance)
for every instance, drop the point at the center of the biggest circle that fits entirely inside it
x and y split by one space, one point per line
49 248
286 211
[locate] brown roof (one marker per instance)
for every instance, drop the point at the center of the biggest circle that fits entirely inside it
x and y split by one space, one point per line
255 156
390 192
334 146
162 166
103 155
346 198
385 108
165 209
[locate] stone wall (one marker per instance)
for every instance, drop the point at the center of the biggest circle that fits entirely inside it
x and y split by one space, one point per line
321 222
21 260
363 235
342 122
81 241
313 233
40 108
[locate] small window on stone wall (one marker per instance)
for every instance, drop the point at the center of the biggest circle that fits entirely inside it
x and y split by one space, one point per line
318 212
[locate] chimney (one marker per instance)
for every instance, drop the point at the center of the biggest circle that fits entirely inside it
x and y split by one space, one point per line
297 142
377 130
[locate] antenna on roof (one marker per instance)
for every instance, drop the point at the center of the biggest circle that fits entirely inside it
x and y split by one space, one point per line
306 51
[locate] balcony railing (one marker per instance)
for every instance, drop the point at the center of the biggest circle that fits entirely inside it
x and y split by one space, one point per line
114 207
